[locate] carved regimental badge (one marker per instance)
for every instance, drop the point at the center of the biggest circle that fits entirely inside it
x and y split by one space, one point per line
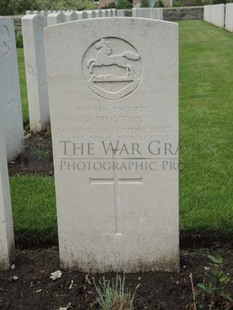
5 40
112 68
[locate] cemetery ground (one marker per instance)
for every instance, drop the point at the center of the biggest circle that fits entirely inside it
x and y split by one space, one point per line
206 193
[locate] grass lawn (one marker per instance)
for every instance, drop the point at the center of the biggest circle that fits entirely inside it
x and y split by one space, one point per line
34 211
23 87
206 119
206 134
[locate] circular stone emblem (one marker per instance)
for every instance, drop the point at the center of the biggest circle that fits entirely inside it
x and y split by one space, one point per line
5 40
112 68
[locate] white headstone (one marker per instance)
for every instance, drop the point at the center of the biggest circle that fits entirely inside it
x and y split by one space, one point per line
6 223
207 13
218 15
115 89
55 18
98 13
101 13
85 15
35 67
79 14
82 15
120 13
71 16
134 12
229 17
145 12
93 14
45 14
157 13
10 91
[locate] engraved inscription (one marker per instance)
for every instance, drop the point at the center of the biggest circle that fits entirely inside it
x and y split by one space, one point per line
5 45
108 133
112 68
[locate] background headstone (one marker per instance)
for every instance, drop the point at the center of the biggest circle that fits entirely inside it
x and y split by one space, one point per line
85 15
157 13
45 14
215 14
55 18
6 223
99 13
7 246
229 17
120 13
218 15
70 16
10 91
116 210
35 67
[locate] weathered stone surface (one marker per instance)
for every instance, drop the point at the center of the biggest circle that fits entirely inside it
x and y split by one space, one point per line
114 113
10 91
120 13
229 17
69 16
215 14
55 18
35 67
6 223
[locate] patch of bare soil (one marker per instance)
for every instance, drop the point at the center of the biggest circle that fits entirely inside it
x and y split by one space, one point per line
37 156
29 286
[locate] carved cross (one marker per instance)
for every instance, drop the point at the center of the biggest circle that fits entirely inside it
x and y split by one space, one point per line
116 182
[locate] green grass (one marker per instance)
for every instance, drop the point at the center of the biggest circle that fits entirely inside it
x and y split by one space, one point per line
23 87
206 118
206 123
34 208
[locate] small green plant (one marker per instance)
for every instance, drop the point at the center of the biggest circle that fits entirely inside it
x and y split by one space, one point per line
40 152
14 7
69 306
145 3
159 4
112 295
47 131
19 40
212 293
110 6
177 3
124 4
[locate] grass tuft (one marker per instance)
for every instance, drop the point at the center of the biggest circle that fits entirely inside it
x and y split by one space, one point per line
112 294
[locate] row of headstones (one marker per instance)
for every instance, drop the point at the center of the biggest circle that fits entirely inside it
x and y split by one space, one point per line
220 15
66 16
33 32
52 17
154 13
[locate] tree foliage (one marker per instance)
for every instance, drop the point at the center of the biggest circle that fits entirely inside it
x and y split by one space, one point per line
124 4
145 3
14 7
